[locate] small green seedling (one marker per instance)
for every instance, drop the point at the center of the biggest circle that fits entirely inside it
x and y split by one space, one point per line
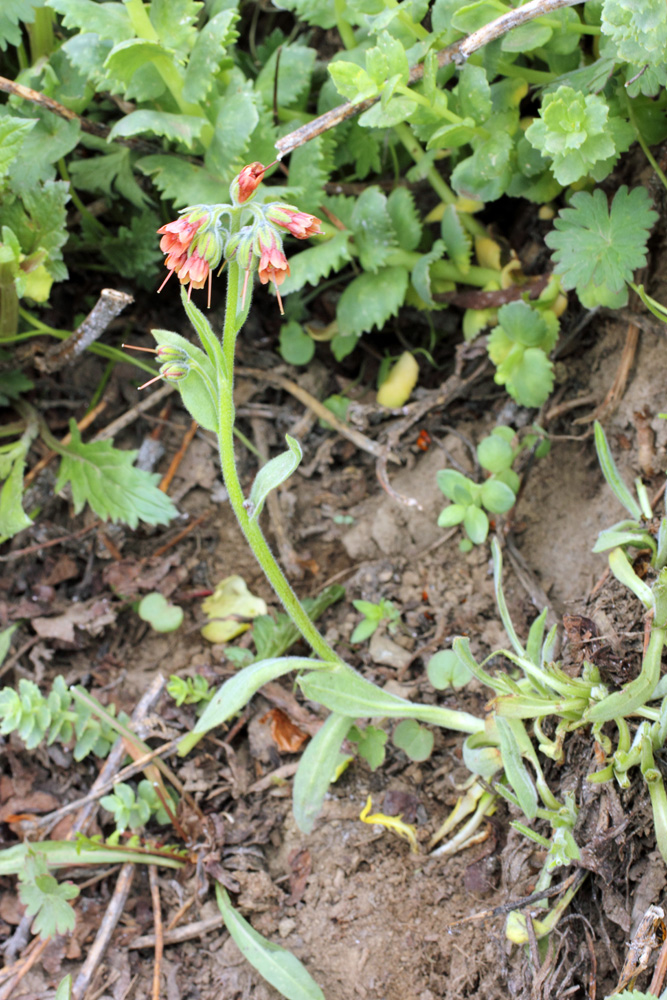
132 811
446 670
374 616
159 613
189 690
470 501
635 531
370 743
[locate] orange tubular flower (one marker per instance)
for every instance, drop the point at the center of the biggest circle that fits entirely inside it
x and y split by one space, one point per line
300 224
273 264
249 180
178 235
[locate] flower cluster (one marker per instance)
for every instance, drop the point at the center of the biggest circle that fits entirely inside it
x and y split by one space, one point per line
195 243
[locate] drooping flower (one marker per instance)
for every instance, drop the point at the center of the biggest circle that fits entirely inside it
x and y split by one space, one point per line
178 235
193 245
273 264
249 180
300 224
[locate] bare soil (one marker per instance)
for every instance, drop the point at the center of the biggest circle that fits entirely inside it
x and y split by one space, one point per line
368 917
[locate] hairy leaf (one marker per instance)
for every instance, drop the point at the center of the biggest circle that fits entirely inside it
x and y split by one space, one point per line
371 299
310 266
104 477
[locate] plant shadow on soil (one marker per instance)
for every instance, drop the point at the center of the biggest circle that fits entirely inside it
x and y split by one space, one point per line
369 918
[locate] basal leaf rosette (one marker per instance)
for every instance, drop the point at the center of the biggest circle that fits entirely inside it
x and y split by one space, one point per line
579 135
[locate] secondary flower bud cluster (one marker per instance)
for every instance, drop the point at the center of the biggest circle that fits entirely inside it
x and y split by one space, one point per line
197 241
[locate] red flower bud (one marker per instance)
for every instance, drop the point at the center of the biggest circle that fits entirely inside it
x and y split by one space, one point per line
300 224
249 180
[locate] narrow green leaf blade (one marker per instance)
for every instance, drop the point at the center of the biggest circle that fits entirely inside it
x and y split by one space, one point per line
317 768
239 689
612 475
271 475
279 967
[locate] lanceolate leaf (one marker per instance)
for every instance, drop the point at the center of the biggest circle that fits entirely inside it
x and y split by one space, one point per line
317 768
277 965
271 475
239 689
105 477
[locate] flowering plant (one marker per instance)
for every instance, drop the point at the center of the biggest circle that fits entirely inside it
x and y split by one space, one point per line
197 241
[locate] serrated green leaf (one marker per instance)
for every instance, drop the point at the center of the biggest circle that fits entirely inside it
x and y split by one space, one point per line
485 175
310 167
272 475
178 127
405 218
12 516
50 139
421 273
389 113
473 16
458 243
352 81
39 222
374 233
134 252
208 54
371 299
310 266
11 15
12 133
110 21
237 117
175 23
181 182
109 174
598 247
294 73
46 899
474 93
104 477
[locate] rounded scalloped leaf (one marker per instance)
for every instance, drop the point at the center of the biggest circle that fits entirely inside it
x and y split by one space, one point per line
494 453
456 486
476 524
452 515
445 670
510 478
415 740
159 613
523 324
497 496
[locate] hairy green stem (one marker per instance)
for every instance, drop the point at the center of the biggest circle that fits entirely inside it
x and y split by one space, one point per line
251 530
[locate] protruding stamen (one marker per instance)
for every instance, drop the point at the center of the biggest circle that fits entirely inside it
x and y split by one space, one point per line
164 282
150 382
280 301
133 347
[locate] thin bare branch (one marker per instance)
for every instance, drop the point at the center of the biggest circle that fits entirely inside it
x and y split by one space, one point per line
456 53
